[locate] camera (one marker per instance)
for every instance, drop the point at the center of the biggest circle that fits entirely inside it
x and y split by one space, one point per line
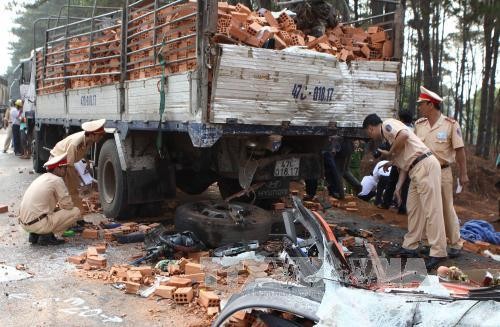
384 146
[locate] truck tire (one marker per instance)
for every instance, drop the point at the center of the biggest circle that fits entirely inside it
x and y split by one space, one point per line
112 183
37 160
216 229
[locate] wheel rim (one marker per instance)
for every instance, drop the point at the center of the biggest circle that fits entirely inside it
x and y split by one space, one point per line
109 179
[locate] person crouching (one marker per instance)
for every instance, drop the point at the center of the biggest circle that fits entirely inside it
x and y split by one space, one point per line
38 214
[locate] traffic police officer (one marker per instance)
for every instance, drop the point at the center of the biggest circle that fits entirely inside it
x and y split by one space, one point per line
76 147
443 136
424 204
37 213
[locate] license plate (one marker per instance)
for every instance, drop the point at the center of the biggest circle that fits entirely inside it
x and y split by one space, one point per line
288 167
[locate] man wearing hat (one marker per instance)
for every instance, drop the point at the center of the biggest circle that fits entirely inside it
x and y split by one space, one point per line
443 136
38 214
424 205
15 119
76 147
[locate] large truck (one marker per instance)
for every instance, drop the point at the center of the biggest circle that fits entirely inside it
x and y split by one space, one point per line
245 117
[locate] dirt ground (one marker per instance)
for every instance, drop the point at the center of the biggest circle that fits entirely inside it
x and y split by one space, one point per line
54 295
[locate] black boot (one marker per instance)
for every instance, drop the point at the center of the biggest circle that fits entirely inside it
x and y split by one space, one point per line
433 262
33 238
49 239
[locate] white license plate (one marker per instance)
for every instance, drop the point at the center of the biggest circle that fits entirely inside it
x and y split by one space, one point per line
288 167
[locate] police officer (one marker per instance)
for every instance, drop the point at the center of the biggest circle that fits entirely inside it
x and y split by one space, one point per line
38 214
424 205
443 136
76 147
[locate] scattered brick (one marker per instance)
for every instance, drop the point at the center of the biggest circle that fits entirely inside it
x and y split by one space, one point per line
97 261
208 299
192 268
200 277
134 276
195 256
179 282
131 287
183 295
76 259
4 208
145 271
166 292
90 234
92 251
212 311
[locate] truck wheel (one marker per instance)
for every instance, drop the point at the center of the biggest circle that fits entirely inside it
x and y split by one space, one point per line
212 224
112 183
37 161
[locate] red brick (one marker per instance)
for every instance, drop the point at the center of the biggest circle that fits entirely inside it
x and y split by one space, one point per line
200 277
90 234
378 37
212 311
92 251
243 9
183 295
166 292
134 276
471 247
101 248
279 44
145 271
76 259
4 208
271 20
97 261
131 287
208 299
195 256
179 282
482 245
192 268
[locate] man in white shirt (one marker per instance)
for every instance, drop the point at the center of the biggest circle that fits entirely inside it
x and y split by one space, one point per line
15 119
374 184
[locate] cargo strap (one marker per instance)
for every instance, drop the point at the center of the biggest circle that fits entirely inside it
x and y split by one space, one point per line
163 63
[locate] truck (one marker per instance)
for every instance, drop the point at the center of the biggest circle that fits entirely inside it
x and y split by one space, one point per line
187 105
4 99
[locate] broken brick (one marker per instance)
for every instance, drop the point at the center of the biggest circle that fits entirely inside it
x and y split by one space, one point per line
92 251
131 287
482 245
145 271
208 299
192 268
4 208
179 282
270 19
76 259
134 276
195 256
212 311
183 295
200 277
90 234
101 248
166 292
97 261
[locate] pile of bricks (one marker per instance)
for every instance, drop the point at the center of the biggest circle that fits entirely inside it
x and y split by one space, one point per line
91 259
346 42
173 36
83 58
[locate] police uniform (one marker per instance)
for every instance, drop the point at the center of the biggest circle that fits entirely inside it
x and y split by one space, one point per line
37 211
424 195
443 138
75 146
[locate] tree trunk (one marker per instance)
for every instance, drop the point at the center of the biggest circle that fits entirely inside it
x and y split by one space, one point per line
488 52
423 32
490 117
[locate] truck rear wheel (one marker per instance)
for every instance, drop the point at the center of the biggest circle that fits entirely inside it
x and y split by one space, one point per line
112 183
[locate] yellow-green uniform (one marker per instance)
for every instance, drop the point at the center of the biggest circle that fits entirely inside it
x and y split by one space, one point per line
424 204
76 147
443 139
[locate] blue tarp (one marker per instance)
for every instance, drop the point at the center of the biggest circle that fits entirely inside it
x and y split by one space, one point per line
480 230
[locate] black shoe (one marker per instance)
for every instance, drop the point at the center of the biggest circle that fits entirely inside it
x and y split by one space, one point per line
49 239
402 252
453 253
80 222
425 250
33 238
433 262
